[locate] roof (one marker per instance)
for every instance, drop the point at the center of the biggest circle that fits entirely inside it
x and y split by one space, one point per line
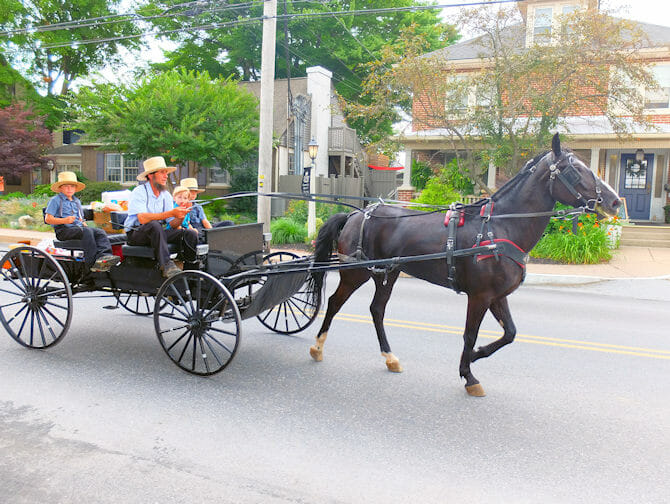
67 149
657 35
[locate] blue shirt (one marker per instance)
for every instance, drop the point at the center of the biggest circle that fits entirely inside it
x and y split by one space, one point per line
143 200
185 222
197 215
59 206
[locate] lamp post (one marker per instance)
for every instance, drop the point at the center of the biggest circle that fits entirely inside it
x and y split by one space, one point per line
312 149
50 167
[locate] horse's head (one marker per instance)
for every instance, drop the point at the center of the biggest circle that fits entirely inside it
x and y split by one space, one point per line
573 183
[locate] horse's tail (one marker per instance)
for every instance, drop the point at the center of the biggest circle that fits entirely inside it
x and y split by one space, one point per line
324 243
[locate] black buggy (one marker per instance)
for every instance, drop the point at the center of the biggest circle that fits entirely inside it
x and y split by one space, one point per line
197 313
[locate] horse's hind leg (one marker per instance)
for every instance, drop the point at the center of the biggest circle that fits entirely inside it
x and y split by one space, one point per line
384 286
350 280
500 310
477 307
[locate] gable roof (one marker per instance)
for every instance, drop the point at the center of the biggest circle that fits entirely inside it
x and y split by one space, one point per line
514 35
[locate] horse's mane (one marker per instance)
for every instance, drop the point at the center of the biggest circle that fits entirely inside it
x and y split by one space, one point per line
514 181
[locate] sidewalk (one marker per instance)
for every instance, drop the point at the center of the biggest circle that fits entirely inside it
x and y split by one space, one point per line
626 263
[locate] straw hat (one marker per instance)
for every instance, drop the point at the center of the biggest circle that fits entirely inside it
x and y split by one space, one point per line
179 189
191 183
67 177
153 165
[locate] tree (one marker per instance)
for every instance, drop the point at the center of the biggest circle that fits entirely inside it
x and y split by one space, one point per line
343 43
182 115
509 106
59 54
23 140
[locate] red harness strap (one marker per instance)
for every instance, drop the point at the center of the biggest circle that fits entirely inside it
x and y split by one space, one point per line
481 257
461 218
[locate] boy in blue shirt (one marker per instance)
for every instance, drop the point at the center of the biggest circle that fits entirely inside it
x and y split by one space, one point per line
197 215
65 214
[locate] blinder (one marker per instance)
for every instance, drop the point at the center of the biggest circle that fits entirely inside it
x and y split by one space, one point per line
571 178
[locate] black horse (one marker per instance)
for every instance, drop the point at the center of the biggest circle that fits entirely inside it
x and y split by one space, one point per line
389 231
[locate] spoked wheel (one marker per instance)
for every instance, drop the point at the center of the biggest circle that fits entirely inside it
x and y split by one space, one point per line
297 312
35 298
135 302
197 322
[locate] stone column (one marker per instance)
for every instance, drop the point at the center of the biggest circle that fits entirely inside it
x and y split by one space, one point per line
595 159
406 190
491 180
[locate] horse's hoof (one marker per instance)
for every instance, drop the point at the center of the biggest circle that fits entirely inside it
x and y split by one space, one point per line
392 363
475 390
316 354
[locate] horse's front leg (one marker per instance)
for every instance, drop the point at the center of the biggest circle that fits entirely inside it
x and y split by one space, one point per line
500 310
477 307
349 282
383 287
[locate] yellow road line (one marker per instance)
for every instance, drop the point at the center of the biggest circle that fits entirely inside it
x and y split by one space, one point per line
525 338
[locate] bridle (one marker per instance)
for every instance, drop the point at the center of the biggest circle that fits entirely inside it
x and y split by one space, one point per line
571 178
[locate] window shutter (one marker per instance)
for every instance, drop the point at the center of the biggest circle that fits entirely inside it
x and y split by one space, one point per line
100 166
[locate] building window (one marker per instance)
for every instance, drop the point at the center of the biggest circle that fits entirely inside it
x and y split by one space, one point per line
636 174
659 98
121 168
218 176
542 26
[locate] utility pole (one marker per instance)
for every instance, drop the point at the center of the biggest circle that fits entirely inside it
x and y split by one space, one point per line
266 111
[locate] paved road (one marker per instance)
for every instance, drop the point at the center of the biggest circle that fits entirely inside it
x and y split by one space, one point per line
577 409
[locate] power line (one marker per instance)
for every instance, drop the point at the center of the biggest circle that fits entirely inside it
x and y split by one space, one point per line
383 10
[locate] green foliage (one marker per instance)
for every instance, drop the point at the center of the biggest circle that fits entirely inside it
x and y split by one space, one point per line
61 65
11 209
327 40
287 231
589 245
297 210
457 177
437 192
183 116
421 172
244 178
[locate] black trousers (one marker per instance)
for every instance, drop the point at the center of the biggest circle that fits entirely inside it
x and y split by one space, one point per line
94 241
155 235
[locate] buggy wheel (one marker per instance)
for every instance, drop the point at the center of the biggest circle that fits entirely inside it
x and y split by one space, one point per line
35 298
197 322
297 312
135 302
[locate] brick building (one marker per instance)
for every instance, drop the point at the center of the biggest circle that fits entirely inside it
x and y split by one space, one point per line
637 167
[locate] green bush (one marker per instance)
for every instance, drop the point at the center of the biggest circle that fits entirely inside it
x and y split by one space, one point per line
438 193
12 209
589 245
287 231
421 173
297 210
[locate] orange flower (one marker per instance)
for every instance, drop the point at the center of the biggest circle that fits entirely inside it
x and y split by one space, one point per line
580 224
595 224
34 204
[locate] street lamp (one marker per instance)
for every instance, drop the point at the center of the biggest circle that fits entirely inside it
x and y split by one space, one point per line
639 155
312 149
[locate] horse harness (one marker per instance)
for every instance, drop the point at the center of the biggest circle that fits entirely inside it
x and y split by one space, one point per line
455 218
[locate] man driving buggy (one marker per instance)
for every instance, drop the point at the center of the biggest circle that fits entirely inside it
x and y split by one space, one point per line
151 206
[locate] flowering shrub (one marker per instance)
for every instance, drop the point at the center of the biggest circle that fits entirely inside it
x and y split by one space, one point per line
24 213
590 244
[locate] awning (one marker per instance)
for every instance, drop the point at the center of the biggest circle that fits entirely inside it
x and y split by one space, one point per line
393 168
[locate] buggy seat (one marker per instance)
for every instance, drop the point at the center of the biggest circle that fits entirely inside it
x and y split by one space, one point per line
118 218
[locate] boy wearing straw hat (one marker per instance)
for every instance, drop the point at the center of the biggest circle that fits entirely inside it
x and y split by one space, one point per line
65 214
149 207
197 216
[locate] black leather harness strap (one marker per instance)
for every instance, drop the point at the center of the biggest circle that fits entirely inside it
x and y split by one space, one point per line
454 217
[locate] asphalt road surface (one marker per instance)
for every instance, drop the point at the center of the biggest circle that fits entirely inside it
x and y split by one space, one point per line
576 410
